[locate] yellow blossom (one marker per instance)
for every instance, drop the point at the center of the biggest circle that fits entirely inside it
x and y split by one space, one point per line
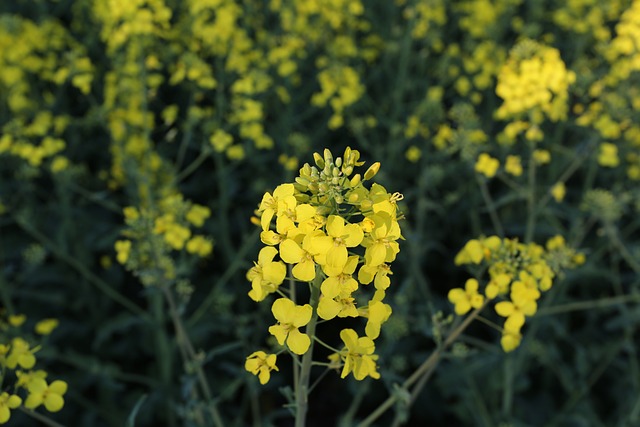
46 326
487 165
513 165
50 395
290 317
467 298
608 155
261 364
358 356
8 402
558 191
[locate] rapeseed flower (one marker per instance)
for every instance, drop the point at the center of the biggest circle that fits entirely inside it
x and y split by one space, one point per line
48 394
290 317
467 298
261 364
358 356
266 275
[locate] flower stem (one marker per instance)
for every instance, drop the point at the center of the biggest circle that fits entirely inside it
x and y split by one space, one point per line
302 389
422 374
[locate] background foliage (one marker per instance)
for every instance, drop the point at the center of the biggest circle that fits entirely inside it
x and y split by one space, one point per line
165 105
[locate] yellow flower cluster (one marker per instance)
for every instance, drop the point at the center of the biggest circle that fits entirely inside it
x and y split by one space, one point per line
533 84
152 234
588 17
616 93
30 387
479 17
320 221
518 274
34 59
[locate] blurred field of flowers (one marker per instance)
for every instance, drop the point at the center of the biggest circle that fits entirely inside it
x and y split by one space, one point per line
138 138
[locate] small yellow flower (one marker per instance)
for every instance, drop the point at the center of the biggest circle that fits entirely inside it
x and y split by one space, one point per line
17 319
558 191
8 402
123 249
199 245
49 395
290 317
467 298
541 157
220 140
358 356
198 214
261 364
46 326
513 165
266 275
608 155
487 165
20 354
413 154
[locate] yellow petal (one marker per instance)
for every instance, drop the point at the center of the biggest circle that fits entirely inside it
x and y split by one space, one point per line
298 342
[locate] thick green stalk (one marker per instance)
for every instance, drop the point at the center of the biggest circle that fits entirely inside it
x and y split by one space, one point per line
302 388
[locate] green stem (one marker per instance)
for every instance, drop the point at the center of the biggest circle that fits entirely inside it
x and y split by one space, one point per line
302 388
84 271
531 197
191 357
495 220
424 371
42 418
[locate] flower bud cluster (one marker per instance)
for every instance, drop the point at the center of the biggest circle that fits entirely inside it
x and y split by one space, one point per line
336 236
152 234
518 274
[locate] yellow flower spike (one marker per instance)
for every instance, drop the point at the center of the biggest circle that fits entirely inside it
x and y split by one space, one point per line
8 402
261 364
339 280
358 356
46 326
49 395
467 298
290 317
